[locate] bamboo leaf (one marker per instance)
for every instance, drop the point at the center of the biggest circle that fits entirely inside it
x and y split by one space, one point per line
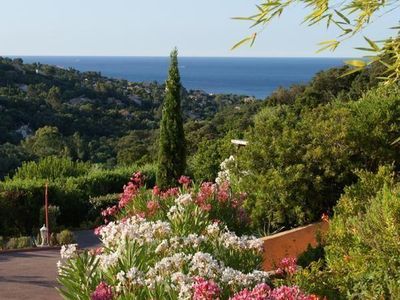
342 16
244 41
372 44
356 63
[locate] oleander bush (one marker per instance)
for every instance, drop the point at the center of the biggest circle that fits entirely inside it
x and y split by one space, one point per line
172 244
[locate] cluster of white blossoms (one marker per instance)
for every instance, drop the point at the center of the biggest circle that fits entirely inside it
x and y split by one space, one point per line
67 251
198 265
224 175
231 241
134 229
180 206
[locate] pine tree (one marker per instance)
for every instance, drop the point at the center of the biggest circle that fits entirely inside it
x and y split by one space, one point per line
172 148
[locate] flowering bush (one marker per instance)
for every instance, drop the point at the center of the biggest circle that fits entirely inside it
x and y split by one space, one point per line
217 200
167 245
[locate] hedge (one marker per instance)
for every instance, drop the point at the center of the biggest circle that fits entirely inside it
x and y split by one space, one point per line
22 199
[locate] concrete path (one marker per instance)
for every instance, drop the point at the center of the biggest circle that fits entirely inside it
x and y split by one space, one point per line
86 239
33 275
29 275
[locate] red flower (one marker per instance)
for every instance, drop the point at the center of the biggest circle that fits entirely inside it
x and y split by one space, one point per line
152 207
185 180
287 266
205 289
103 292
156 191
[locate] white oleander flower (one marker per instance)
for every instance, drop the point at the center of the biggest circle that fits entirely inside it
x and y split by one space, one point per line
67 251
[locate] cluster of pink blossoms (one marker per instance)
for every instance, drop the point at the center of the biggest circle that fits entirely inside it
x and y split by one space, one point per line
131 189
103 292
205 193
185 181
264 292
287 266
152 207
205 289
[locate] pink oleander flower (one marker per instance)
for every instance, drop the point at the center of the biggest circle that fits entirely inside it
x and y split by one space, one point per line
287 266
97 230
185 181
205 289
103 292
203 196
264 292
110 211
290 293
131 189
96 251
223 192
137 179
260 292
156 191
152 207
171 192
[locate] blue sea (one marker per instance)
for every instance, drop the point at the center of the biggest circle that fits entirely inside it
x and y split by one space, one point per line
257 77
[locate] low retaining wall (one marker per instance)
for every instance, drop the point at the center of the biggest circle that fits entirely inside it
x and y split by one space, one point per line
290 243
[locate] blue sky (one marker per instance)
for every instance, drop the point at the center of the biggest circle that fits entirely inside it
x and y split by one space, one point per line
153 28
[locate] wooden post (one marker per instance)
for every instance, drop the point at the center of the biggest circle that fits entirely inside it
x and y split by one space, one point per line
46 210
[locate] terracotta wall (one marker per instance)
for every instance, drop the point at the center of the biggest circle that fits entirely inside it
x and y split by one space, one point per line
290 243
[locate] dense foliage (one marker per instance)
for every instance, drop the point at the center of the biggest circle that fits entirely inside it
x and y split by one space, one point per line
46 110
171 162
22 197
298 162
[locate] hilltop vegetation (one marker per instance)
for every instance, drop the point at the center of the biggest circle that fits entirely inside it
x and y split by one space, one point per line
46 110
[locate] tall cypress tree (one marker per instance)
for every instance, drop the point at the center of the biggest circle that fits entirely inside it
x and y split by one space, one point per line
172 148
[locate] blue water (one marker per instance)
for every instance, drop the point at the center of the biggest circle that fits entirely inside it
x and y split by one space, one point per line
247 76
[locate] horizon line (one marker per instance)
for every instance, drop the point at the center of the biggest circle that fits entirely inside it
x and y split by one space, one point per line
182 56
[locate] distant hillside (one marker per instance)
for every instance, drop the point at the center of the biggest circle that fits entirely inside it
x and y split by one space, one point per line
98 119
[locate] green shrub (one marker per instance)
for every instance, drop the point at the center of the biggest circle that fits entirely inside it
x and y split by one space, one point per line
12 243
310 255
2 242
19 242
24 242
22 199
363 247
52 168
298 162
65 237
103 201
362 254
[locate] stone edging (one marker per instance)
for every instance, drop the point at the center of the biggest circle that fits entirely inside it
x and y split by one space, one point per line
33 249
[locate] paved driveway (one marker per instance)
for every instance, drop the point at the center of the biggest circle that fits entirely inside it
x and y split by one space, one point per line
33 275
29 275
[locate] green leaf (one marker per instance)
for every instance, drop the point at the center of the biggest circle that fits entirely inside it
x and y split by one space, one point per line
351 71
342 16
356 63
395 141
249 39
372 44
